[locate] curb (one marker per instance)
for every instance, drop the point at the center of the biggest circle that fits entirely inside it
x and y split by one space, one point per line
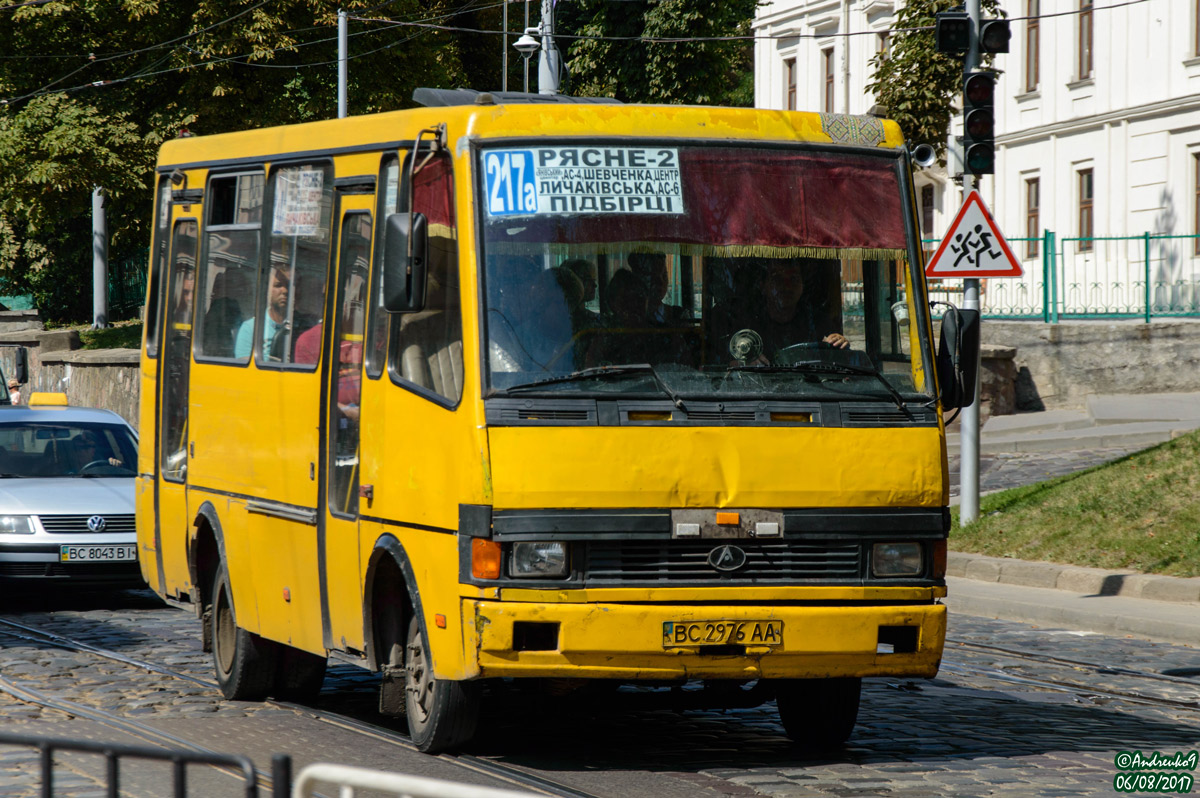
1090 581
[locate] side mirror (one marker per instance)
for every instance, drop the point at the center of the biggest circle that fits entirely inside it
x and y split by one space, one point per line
21 365
958 358
404 275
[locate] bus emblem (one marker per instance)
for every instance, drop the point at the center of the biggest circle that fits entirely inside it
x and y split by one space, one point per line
727 558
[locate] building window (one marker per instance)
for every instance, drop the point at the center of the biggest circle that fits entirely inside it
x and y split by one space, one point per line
1196 198
1032 222
883 46
1085 39
1032 45
927 211
789 79
1085 210
827 73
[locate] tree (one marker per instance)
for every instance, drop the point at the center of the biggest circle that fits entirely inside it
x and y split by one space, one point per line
917 85
80 111
623 66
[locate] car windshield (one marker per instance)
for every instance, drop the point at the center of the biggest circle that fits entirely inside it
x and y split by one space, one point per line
727 270
65 449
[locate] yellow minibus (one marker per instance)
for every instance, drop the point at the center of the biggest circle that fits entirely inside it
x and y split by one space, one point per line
553 389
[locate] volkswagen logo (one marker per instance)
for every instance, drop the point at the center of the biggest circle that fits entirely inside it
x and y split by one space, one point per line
97 524
727 558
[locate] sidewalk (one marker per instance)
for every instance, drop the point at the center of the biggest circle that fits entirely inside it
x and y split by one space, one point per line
1121 603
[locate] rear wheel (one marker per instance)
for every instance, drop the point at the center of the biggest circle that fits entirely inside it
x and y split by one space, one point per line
818 712
442 714
300 674
245 663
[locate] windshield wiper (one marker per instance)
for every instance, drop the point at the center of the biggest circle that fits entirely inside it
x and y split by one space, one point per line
605 371
832 368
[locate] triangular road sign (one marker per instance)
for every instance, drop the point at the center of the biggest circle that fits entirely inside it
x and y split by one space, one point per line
973 247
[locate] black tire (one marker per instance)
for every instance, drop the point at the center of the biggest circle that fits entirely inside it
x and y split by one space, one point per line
299 675
244 662
442 714
819 713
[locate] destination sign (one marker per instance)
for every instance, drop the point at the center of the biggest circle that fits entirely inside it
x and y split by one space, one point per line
582 180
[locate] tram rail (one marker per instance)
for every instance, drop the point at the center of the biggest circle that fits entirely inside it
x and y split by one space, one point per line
505 773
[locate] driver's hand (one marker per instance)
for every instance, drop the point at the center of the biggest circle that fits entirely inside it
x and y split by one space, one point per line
114 461
837 341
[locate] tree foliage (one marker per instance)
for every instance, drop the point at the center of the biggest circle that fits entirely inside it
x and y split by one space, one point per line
917 85
212 66
691 72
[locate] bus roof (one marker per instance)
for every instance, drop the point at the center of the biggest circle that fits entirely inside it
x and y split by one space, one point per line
487 119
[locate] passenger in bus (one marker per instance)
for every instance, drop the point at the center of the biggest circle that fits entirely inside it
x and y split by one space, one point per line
276 327
585 272
624 339
779 310
531 329
224 316
651 269
350 348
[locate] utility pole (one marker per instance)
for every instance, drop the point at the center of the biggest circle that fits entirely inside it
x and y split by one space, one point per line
343 49
549 59
968 466
99 260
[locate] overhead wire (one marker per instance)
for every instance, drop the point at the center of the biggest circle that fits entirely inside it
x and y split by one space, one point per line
238 59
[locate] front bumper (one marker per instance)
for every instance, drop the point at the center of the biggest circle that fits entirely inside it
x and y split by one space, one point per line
625 641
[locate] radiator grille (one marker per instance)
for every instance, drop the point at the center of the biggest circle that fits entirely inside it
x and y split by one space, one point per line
78 524
721 415
687 561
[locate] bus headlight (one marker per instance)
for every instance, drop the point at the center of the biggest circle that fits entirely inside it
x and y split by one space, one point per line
538 559
16 525
896 559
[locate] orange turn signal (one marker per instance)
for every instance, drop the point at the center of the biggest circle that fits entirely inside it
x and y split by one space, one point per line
439 621
485 559
939 560
726 519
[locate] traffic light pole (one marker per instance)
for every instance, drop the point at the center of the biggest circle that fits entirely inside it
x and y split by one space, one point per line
968 468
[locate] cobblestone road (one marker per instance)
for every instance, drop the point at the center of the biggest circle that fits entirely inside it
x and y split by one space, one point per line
990 724
1003 471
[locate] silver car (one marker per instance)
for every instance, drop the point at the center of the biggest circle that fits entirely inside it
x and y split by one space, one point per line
66 496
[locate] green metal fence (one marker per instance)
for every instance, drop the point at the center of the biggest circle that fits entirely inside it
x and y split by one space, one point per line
127 287
1103 277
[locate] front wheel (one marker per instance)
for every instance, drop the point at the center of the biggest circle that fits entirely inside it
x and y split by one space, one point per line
245 663
442 714
818 712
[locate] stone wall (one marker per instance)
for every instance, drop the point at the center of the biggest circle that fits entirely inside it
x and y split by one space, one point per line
1059 365
106 378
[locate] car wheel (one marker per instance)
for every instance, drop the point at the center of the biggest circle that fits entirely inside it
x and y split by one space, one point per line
245 663
441 713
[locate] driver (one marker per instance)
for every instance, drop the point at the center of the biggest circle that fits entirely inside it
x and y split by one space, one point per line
781 314
86 450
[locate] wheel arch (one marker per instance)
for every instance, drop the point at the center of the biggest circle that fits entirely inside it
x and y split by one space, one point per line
206 552
389 562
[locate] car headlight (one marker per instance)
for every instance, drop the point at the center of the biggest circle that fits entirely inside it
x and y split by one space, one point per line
896 559
16 525
538 559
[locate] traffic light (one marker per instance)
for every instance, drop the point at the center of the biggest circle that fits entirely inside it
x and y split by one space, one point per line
979 123
952 31
994 35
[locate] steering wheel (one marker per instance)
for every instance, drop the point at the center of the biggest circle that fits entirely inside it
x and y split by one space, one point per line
86 466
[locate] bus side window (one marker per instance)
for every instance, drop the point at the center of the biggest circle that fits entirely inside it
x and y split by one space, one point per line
389 202
294 273
158 265
230 268
426 346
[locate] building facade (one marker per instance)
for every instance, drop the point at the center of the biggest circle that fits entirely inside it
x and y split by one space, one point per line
1097 134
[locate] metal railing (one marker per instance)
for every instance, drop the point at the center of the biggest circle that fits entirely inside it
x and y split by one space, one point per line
350 780
1102 277
127 287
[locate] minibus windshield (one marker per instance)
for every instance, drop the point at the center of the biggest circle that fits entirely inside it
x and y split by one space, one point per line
698 271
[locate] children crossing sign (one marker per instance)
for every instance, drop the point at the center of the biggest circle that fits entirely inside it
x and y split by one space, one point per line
973 247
